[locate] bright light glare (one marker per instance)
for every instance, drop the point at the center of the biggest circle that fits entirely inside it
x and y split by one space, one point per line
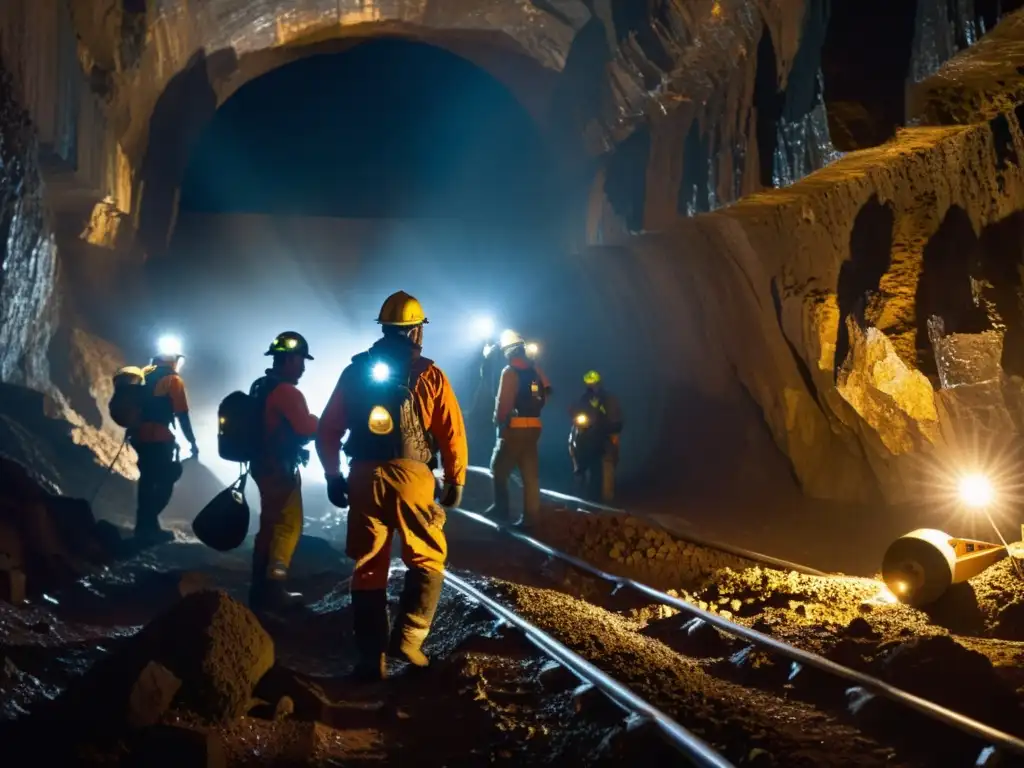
484 327
508 338
581 419
488 348
976 490
532 349
380 372
169 345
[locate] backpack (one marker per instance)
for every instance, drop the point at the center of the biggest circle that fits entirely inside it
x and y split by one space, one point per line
384 421
530 395
127 402
240 424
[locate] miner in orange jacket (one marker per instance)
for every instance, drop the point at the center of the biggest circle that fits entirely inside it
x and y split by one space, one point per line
153 441
287 427
522 393
399 409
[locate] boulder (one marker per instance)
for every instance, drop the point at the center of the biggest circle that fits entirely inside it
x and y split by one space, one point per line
218 648
49 537
212 645
151 695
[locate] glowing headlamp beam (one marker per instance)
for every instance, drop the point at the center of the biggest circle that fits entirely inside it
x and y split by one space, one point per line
380 372
168 345
484 327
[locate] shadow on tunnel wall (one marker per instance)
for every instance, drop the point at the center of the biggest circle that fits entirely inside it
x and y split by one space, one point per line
945 288
1002 259
691 430
181 114
870 256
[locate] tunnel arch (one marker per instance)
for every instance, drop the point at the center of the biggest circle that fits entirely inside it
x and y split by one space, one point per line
353 290
158 146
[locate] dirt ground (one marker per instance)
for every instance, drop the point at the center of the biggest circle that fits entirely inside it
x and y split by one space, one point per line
495 699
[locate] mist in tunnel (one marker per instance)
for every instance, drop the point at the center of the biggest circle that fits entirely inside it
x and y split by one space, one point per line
325 185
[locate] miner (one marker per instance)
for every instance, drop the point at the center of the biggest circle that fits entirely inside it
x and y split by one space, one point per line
523 390
163 399
287 426
398 408
594 438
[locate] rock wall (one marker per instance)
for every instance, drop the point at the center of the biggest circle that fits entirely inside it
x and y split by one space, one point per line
868 307
28 262
815 301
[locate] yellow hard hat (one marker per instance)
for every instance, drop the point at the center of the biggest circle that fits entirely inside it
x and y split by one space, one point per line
402 310
590 378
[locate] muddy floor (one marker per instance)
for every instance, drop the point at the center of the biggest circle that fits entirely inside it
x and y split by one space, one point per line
492 698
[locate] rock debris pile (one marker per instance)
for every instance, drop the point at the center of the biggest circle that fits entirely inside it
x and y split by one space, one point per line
628 545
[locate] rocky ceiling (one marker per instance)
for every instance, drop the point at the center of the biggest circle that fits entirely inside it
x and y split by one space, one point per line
815 300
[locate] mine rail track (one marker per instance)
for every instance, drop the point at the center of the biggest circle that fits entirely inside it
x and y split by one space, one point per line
924 707
689 745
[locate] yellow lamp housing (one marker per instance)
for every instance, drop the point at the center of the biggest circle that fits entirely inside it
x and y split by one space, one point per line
380 421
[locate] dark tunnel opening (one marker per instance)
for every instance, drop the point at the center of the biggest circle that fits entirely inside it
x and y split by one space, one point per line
865 84
304 206
945 288
626 184
768 103
1002 262
693 197
870 257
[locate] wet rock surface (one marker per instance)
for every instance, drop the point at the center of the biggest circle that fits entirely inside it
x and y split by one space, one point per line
28 265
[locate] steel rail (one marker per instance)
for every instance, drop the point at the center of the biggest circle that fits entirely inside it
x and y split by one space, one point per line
923 706
690 745
729 549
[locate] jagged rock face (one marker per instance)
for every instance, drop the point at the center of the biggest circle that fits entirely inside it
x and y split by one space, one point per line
28 259
814 300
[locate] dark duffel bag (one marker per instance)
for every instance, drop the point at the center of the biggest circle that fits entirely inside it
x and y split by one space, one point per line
223 524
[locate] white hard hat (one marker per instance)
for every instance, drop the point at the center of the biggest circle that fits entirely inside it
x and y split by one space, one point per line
509 339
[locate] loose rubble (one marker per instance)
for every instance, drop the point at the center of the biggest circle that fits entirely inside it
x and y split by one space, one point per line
628 545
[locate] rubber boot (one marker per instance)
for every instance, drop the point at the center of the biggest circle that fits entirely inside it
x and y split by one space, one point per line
258 584
278 599
371 627
420 596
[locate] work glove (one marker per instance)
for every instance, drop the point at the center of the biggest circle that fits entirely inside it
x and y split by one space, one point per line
337 491
451 495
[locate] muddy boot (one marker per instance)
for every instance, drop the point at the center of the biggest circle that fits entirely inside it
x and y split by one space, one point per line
371 627
277 598
151 534
258 584
420 595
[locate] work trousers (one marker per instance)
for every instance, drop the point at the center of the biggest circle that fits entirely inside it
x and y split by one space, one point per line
598 479
517 449
386 497
158 472
280 520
